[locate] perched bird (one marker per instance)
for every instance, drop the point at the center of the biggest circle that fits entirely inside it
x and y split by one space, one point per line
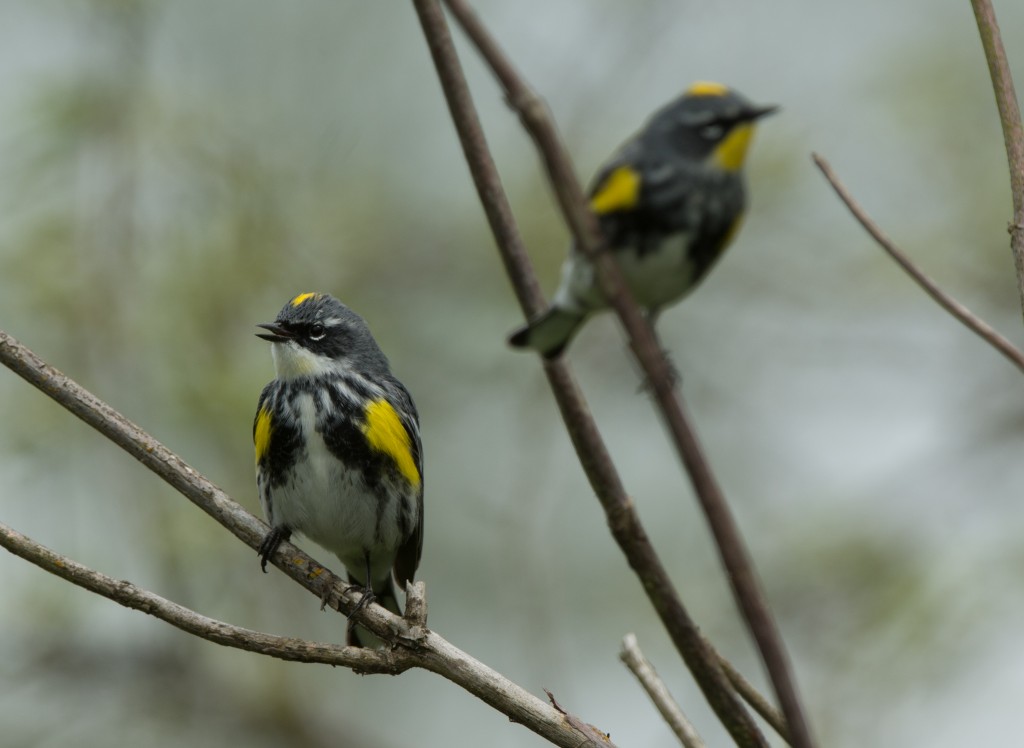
338 452
668 203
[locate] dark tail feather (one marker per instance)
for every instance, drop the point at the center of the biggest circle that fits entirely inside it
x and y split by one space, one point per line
384 593
550 333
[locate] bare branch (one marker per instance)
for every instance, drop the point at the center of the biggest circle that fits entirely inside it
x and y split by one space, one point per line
740 572
947 302
656 689
130 596
1009 117
420 647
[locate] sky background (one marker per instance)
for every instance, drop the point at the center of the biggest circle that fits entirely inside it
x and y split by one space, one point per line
174 172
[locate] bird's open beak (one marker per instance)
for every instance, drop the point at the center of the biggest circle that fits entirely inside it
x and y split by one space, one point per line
276 333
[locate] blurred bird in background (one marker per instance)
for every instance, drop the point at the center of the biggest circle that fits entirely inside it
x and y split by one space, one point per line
669 202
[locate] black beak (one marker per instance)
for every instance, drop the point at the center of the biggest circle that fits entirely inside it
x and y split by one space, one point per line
276 334
757 112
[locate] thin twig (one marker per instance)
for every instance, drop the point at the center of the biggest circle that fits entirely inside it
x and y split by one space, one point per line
658 692
743 687
974 323
743 580
753 697
1010 118
424 649
573 719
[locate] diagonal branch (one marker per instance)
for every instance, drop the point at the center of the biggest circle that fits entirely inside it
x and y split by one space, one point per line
947 302
422 648
1009 117
740 572
623 521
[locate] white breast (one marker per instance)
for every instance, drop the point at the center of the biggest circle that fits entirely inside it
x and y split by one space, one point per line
332 505
656 278
659 277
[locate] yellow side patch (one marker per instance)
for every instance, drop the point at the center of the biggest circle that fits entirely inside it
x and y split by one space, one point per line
302 297
707 88
619 191
385 433
731 152
261 434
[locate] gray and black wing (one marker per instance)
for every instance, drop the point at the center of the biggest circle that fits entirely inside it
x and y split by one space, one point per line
407 560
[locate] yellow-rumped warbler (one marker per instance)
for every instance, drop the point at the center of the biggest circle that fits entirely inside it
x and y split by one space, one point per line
668 202
338 453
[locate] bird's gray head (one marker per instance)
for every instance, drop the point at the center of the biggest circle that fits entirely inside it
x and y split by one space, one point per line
316 334
710 122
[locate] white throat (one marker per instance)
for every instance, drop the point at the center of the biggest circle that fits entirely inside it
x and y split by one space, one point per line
292 361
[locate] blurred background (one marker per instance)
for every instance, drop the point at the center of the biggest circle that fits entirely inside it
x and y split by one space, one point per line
175 171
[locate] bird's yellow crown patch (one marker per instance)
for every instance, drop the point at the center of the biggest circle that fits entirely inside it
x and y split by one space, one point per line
619 191
707 88
303 297
261 433
385 433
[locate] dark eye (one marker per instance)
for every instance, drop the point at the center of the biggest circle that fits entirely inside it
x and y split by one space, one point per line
316 331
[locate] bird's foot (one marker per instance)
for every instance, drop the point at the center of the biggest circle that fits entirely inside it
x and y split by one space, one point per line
271 543
367 598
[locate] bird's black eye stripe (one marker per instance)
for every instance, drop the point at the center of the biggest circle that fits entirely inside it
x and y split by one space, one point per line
316 331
